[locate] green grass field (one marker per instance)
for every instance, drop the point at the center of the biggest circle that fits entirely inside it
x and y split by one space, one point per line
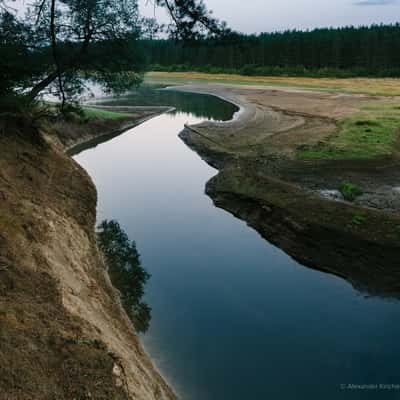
371 133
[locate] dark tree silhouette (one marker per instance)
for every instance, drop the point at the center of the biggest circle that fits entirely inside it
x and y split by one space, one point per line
192 21
342 52
125 271
62 41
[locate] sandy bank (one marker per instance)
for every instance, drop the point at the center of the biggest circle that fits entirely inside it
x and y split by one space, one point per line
63 331
272 125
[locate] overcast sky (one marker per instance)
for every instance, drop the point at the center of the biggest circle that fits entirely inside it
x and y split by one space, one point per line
253 16
267 15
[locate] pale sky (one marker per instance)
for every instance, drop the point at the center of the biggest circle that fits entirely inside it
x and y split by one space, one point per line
252 16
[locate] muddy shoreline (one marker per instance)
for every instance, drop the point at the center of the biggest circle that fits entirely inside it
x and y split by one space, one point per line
280 197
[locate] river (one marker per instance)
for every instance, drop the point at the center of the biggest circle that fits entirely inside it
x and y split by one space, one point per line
233 317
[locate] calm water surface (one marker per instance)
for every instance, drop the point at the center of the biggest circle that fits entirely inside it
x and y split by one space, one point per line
233 316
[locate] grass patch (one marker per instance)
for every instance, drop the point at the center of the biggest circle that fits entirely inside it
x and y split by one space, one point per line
350 191
359 219
371 133
96 113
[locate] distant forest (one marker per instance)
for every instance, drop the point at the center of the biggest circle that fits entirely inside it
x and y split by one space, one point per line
336 52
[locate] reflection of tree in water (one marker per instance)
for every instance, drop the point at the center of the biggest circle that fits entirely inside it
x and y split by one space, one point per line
125 271
202 106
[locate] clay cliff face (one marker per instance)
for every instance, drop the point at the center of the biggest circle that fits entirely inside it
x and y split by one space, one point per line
63 332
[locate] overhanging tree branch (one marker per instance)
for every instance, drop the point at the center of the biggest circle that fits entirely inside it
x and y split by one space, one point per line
53 35
70 30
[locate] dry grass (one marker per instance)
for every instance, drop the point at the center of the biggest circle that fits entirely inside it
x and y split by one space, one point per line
371 86
63 332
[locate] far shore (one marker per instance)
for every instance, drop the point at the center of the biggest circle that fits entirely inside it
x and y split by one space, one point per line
369 86
293 200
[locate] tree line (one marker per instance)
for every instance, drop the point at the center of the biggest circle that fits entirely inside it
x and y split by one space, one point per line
343 52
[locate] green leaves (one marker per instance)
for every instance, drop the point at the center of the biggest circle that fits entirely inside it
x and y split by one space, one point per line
60 42
350 191
191 20
359 219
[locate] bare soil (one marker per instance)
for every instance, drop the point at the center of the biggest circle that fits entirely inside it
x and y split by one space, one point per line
63 332
277 121
262 182
273 124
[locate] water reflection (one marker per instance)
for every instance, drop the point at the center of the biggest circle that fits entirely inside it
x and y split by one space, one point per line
126 271
370 268
200 106
233 317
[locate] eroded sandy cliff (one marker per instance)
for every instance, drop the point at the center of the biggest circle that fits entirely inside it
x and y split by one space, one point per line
63 332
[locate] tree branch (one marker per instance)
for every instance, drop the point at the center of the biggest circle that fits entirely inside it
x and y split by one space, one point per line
54 50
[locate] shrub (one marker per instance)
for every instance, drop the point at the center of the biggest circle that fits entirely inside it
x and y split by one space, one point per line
366 123
359 219
350 191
